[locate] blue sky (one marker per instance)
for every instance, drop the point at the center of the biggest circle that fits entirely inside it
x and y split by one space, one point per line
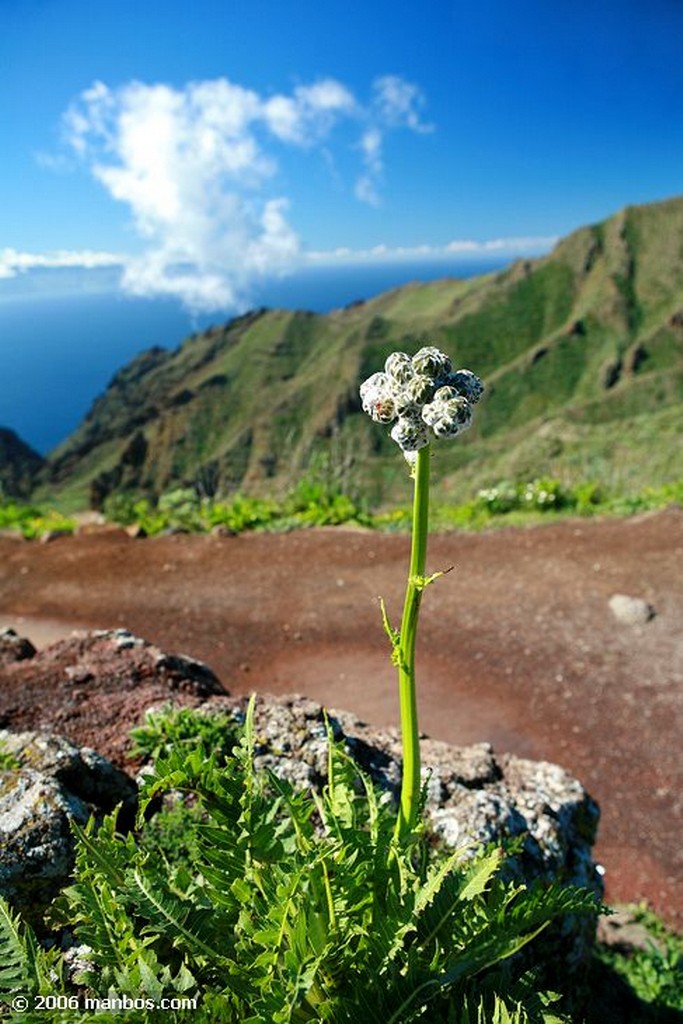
197 147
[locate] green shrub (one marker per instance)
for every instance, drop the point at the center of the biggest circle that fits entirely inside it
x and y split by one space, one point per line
33 521
243 513
182 508
313 502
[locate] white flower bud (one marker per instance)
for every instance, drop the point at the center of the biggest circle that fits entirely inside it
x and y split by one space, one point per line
467 383
410 433
413 394
449 414
431 362
399 368
377 400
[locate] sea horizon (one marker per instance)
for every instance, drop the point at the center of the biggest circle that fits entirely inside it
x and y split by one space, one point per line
60 351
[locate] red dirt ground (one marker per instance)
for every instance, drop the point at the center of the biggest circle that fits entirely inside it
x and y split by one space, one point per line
518 645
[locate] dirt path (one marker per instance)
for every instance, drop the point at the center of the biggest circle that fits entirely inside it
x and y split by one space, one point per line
518 644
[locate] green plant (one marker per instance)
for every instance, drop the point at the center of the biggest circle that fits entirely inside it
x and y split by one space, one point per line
297 908
182 507
8 762
33 521
426 399
316 502
213 734
653 974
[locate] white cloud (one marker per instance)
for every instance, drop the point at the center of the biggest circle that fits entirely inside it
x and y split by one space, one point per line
197 169
367 189
275 244
382 253
13 262
311 113
395 104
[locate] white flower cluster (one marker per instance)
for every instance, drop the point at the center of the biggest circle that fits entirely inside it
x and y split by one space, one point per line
422 394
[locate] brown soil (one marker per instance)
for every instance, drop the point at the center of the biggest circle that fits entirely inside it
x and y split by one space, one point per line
518 645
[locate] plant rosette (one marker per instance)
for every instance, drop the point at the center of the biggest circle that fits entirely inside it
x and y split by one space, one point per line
424 398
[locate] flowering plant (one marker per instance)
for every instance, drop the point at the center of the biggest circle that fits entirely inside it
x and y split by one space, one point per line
426 398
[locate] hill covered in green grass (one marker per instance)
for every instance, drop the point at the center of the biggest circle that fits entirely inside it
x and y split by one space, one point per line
581 352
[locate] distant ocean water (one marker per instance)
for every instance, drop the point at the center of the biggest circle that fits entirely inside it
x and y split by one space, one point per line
57 354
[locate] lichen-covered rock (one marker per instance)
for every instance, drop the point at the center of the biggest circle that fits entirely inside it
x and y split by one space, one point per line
472 793
52 783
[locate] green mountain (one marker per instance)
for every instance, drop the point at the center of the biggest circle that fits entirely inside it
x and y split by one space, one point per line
581 352
20 466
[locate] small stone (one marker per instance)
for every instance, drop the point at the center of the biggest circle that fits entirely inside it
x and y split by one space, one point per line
633 611
220 530
136 531
50 535
622 931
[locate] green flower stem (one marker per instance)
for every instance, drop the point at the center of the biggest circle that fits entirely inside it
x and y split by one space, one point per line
410 786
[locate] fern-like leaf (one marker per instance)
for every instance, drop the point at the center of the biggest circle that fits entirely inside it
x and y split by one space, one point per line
16 973
197 930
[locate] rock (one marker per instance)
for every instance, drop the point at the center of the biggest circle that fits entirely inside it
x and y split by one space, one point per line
220 530
94 686
49 535
632 611
623 932
54 782
14 647
472 792
136 531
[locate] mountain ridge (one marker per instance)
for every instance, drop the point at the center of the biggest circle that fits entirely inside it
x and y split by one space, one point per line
581 351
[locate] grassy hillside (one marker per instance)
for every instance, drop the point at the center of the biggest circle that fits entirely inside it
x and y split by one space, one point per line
581 351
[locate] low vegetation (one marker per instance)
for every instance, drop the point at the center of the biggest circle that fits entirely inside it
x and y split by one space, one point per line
241 899
314 503
33 521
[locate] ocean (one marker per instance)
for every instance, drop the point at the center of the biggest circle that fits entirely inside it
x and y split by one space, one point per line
59 352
